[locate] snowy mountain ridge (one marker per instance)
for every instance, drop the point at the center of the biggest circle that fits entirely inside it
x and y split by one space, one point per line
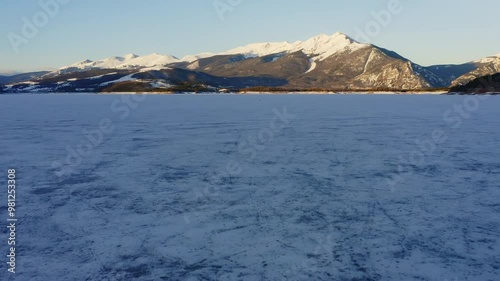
129 61
320 47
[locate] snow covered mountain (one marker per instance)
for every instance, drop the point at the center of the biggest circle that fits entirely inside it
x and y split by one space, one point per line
334 62
319 47
483 67
130 61
328 62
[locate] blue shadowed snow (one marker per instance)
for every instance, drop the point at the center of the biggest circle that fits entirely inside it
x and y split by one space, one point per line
227 188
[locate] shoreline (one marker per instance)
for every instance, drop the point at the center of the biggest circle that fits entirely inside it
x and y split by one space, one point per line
377 93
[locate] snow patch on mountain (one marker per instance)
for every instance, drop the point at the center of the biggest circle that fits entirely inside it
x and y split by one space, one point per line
160 84
276 57
313 66
123 79
325 46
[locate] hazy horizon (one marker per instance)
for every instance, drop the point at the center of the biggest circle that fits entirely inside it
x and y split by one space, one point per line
447 33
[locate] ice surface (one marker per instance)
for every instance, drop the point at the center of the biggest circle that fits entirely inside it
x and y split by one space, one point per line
154 201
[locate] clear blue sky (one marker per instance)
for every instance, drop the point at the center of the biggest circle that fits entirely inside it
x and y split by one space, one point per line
427 31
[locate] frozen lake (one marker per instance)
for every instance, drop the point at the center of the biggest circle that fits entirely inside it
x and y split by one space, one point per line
257 187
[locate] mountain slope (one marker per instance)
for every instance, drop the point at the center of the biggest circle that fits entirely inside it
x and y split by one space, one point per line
280 65
489 83
484 67
367 68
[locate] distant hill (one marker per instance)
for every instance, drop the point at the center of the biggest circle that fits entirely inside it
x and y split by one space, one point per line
21 77
485 84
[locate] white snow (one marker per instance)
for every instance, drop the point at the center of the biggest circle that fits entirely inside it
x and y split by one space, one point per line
158 67
160 84
129 61
129 57
313 65
278 56
325 46
321 47
27 83
100 76
32 86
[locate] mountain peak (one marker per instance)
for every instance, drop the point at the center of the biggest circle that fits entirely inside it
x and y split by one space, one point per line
84 62
322 46
192 58
344 36
80 63
151 60
130 56
326 45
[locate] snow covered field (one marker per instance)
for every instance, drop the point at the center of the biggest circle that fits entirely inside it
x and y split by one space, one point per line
257 187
